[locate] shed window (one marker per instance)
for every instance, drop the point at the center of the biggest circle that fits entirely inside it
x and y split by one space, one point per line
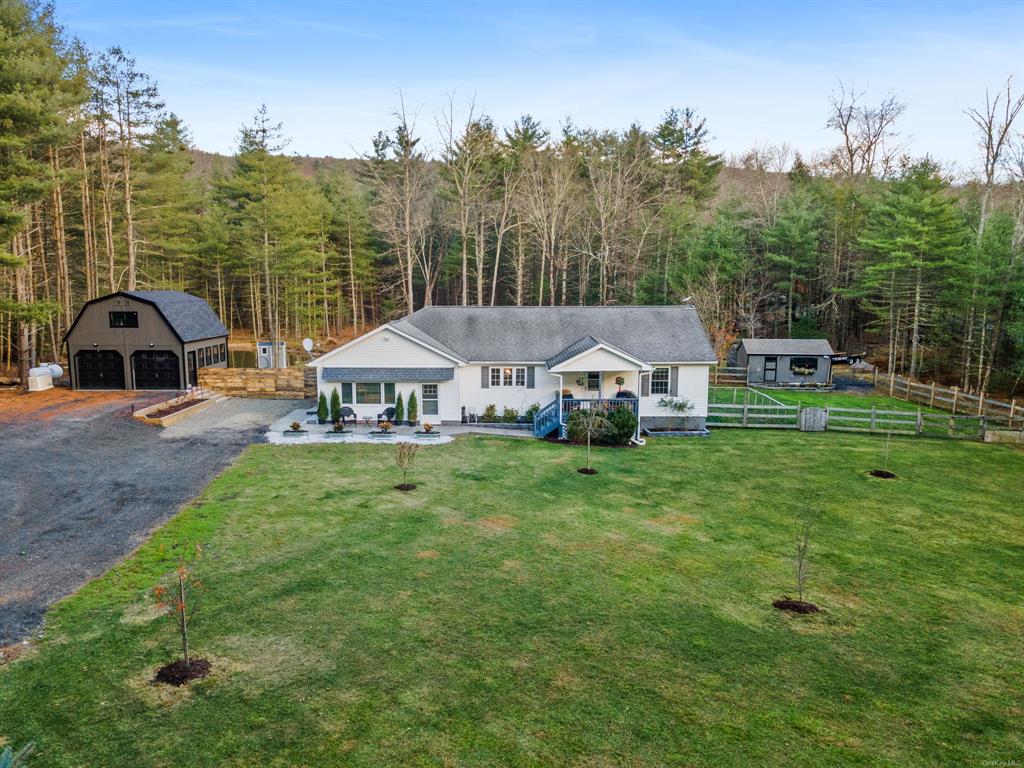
659 381
803 366
124 319
223 352
201 352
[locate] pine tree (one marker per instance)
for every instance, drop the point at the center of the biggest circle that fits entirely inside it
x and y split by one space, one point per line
913 235
36 95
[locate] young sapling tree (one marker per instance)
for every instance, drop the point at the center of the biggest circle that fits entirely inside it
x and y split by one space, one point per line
179 604
405 455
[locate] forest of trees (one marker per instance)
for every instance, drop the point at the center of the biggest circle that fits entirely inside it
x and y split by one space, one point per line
869 245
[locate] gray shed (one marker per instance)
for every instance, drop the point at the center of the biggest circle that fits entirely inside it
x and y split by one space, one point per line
144 340
785 362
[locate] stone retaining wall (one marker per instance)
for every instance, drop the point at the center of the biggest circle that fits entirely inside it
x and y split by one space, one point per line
268 383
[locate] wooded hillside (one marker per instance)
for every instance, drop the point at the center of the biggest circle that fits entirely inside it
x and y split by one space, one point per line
876 248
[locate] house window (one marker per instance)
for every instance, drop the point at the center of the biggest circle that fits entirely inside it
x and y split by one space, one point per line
803 366
593 381
659 381
508 377
429 400
374 392
346 393
124 319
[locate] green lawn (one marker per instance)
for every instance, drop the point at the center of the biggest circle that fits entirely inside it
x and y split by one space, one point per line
846 399
511 611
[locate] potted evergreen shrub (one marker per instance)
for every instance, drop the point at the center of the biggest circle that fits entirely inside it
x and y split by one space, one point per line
414 408
321 409
399 409
335 407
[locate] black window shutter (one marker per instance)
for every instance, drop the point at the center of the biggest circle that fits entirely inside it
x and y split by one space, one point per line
645 385
485 377
530 381
673 386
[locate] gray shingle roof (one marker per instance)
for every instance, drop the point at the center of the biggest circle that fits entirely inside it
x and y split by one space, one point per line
574 349
388 374
530 334
190 316
787 347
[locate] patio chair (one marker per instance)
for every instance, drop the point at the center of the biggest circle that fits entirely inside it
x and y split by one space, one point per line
388 415
346 414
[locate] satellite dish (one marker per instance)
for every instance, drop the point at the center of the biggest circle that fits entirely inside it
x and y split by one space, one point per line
307 344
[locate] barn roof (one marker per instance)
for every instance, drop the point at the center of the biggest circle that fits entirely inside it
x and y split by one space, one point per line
787 346
190 316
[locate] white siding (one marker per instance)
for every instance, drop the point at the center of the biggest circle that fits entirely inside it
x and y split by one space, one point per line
447 396
476 398
600 360
384 349
693 385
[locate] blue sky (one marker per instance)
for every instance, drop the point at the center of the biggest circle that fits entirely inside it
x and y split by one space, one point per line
760 72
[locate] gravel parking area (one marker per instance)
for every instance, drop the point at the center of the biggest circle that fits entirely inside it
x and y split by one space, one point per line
83 485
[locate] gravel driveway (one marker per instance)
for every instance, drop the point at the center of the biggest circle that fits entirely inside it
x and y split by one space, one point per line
81 488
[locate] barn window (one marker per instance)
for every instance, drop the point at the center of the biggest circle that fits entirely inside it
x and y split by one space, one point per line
124 319
803 366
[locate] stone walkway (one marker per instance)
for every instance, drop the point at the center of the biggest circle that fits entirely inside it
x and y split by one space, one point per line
319 433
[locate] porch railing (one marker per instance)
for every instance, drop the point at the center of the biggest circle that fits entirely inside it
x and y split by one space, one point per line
546 419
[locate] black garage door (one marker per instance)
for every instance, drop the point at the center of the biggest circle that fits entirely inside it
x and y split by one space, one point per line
100 369
157 369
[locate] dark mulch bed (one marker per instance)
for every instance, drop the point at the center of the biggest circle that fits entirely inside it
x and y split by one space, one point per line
885 474
174 408
176 673
587 471
405 487
795 606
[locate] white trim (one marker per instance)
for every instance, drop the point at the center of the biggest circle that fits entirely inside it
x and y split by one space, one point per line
319 362
607 348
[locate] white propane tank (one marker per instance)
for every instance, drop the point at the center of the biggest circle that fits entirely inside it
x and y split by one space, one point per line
52 370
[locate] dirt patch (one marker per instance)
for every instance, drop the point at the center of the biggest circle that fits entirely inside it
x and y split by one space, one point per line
405 487
170 409
497 523
60 402
884 474
178 673
671 523
795 606
427 554
587 471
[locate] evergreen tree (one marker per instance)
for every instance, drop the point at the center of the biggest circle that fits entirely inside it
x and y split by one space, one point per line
913 235
793 244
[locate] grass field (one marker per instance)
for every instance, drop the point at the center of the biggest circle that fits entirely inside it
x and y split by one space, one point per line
867 398
511 611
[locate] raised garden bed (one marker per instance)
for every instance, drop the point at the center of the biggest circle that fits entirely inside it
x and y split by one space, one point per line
295 432
428 435
528 426
383 435
174 410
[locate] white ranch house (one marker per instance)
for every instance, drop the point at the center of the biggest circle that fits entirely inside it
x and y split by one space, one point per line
459 360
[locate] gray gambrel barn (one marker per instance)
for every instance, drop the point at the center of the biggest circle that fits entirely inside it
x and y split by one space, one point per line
144 340
784 362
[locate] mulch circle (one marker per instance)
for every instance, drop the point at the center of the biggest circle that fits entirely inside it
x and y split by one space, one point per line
405 487
587 471
176 673
795 606
885 474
